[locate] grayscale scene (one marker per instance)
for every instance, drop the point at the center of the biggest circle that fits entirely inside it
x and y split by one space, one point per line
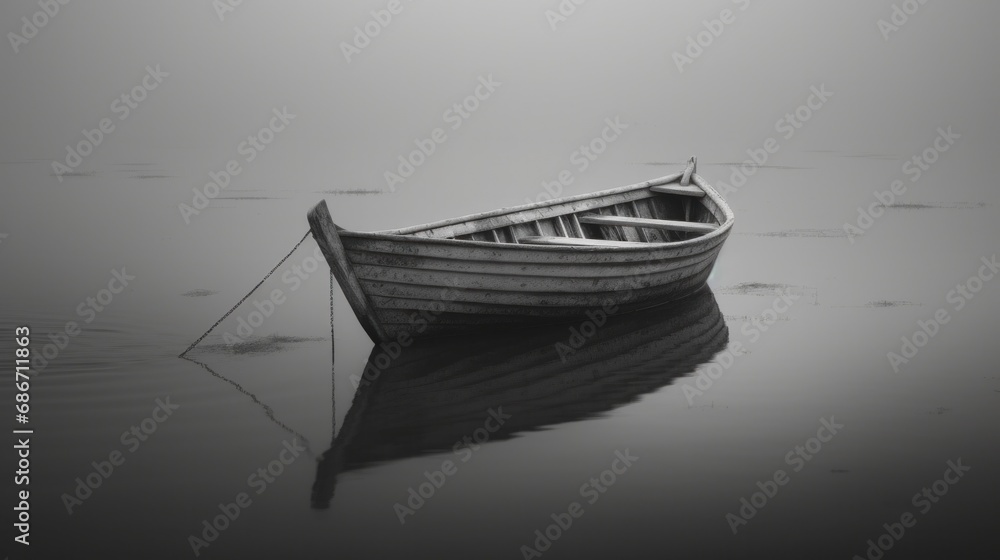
556 279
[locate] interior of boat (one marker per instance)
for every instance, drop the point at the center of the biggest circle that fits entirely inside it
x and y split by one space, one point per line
649 220
671 209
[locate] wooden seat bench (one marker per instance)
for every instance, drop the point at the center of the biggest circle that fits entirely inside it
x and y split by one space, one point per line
577 242
671 225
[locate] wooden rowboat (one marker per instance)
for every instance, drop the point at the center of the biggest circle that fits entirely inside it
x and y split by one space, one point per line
622 249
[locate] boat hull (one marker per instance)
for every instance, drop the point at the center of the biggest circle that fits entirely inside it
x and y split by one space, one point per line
416 289
448 278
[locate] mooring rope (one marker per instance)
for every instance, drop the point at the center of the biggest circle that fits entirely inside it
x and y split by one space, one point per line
333 355
259 284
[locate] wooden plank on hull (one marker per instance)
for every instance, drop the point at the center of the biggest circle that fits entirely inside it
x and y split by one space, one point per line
400 312
408 279
386 295
366 263
406 246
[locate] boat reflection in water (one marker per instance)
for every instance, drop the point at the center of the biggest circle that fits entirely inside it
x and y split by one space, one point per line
437 392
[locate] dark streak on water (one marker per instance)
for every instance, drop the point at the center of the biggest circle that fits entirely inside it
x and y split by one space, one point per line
259 345
353 192
764 289
799 233
863 155
872 156
937 205
681 164
887 303
747 318
200 293
250 198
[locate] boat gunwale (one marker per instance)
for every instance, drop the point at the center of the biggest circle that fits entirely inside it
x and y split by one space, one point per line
406 234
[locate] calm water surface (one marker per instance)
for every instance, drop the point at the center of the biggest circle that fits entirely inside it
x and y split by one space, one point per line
700 450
